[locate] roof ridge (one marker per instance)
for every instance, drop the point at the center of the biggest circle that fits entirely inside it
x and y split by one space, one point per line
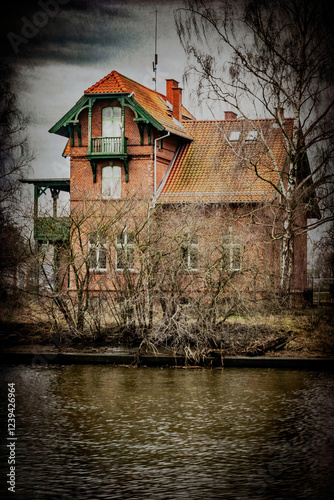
120 79
99 81
237 120
141 85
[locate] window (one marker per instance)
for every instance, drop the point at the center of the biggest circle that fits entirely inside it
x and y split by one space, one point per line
97 248
251 136
234 135
189 251
111 122
125 251
111 182
231 254
111 141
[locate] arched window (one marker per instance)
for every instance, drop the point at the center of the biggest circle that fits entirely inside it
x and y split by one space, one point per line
111 182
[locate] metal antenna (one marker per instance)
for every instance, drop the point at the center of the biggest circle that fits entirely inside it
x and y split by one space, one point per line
155 62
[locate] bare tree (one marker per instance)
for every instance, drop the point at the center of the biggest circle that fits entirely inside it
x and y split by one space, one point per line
73 265
15 159
260 57
324 251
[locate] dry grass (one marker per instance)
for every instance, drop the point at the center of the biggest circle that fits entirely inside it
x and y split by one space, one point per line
304 333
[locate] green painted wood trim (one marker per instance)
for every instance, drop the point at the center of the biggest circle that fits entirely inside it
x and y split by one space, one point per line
35 202
149 133
140 126
126 169
90 106
60 127
106 156
41 190
71 132
93 167
61 184
78 130
142 114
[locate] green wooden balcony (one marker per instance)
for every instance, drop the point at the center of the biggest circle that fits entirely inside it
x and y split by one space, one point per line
52 229
108 146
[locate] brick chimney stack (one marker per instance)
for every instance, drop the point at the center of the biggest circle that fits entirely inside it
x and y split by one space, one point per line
174 96
229 115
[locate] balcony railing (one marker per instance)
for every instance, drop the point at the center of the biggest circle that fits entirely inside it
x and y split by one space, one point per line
109 145
52 228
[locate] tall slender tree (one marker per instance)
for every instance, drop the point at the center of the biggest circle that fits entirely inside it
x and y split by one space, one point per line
15 158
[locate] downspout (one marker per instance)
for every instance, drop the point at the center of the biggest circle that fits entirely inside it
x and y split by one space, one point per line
150 207
155 164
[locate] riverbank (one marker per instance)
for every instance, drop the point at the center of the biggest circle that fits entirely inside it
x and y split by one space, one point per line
134 359
301 334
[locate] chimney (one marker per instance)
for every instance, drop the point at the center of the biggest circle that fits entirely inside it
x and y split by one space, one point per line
229 115
174 96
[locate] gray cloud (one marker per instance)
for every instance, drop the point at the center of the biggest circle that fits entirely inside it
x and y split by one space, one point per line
78 32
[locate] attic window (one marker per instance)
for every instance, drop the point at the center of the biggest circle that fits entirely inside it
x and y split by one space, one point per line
251 136
234 135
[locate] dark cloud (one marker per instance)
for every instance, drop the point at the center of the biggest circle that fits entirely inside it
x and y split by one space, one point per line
72 31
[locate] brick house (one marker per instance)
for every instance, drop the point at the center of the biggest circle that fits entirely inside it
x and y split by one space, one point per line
125 140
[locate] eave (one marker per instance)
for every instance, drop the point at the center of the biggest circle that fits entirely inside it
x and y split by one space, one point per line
60 128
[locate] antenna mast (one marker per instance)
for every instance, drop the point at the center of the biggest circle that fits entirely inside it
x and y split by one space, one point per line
155 62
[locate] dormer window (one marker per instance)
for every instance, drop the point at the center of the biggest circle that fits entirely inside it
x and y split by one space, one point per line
234 136
251 136
111 122
111 142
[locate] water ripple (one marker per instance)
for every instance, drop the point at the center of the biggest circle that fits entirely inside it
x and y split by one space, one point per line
94 432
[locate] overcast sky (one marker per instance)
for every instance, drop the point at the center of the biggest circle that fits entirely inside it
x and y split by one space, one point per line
61 47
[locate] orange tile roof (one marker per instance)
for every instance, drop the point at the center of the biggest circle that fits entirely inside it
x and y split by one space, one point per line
67 149
153 102
214 169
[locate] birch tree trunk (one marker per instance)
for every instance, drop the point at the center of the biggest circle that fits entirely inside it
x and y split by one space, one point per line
259 57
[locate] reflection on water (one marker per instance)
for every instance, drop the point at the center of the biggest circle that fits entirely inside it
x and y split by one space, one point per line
99 432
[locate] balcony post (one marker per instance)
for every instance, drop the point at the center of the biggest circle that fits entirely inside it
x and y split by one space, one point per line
35 203
90 126
55 195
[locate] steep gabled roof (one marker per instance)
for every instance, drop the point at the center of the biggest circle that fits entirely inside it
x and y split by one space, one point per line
151 105
151 101
215 167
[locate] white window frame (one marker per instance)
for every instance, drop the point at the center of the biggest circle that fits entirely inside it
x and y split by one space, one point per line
113 123
228 254
189 246
111 182
251 136
234 136
124 247
99 247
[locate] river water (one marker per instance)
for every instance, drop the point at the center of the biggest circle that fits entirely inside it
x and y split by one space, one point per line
101 432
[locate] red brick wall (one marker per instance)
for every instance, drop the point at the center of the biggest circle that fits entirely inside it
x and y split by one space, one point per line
141 163
261 255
